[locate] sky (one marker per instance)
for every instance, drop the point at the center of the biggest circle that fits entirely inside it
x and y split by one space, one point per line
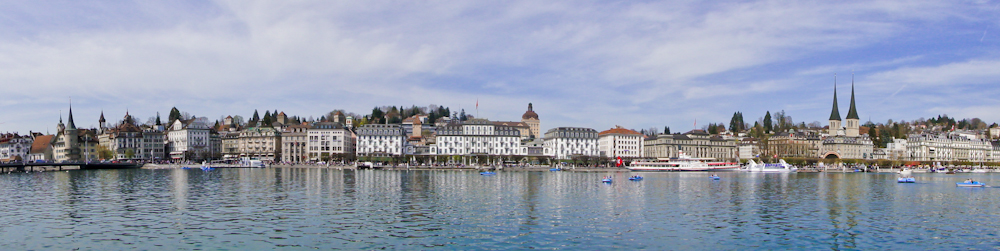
596 64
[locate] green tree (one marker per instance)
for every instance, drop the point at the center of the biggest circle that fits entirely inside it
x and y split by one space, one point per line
255 119
174 115
267 119
104 153
377 116
129 153
733 123
873 135
768 128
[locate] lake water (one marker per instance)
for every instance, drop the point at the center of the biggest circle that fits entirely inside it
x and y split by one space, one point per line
292 208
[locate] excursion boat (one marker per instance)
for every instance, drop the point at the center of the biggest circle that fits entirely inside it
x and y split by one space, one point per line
683 163
780 167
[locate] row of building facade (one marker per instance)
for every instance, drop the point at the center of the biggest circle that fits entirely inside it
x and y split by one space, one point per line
338 139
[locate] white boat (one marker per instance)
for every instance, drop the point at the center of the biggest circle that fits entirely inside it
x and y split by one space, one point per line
780 167
683 163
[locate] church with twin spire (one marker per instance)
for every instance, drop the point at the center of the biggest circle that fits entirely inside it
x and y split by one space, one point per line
844 140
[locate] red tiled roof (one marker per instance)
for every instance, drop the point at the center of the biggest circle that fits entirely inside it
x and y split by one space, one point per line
619 130
41 143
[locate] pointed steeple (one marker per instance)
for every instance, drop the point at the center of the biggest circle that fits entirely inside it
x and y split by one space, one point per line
853 113
70 124
102 118
835 115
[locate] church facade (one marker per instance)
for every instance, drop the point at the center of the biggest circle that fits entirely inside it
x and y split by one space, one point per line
844 140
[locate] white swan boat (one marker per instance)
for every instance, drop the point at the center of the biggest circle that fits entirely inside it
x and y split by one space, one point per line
780 167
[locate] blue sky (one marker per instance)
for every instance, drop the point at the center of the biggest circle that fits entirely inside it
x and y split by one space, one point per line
595 64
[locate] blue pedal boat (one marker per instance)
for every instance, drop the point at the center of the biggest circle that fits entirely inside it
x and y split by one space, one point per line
970 184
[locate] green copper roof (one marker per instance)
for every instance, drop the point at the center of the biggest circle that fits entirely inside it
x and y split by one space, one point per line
853 113
835 115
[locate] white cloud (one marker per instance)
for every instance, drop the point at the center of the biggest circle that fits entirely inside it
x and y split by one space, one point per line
651 63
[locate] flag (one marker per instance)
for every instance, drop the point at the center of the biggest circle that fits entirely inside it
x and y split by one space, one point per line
477 104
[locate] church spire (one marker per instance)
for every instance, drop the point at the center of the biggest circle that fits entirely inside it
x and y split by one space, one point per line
70 124
835 115
853 113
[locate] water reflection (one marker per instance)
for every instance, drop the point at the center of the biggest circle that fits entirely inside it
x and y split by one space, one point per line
368 209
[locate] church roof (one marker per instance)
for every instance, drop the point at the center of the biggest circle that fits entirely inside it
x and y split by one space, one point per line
853 113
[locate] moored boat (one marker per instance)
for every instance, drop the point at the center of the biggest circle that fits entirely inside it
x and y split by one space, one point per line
683 163
487 173
906 180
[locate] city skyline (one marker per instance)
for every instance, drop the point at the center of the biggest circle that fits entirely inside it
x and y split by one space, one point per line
596 65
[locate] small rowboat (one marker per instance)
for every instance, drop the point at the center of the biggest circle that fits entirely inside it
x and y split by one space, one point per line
906 180
713 177
555 169
970 184
636 178
487 173
606 180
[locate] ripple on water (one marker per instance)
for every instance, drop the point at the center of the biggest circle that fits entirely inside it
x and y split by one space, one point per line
327 209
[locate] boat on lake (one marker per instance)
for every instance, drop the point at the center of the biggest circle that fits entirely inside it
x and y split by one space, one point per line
487 173
683 162
606 180
968 183
780 167
906 176
635 178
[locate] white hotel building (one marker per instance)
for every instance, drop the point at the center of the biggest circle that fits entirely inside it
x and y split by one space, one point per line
478 137
620 142
189 139
377 140
945 148
329 140
566 142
